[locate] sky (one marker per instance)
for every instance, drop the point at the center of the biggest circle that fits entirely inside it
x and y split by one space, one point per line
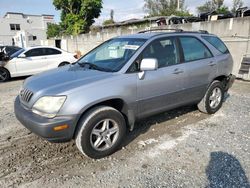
123 9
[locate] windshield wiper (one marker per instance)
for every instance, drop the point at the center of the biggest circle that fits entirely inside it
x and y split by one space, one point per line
95 67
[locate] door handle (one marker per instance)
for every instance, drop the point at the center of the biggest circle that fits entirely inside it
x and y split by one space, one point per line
44 57
211 63
178 71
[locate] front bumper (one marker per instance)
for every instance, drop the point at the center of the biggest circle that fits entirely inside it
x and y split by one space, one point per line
42 126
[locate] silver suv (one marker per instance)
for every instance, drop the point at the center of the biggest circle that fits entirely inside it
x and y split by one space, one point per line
127 78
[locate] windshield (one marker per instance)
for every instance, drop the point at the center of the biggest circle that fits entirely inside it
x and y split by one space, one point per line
17 53
113 54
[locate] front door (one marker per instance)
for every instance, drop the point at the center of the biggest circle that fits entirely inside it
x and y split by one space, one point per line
33 63
161 89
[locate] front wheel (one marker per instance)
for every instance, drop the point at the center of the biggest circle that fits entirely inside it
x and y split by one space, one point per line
100 132
212 101
4 75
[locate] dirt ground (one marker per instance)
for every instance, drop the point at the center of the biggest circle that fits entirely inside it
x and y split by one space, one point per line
180 148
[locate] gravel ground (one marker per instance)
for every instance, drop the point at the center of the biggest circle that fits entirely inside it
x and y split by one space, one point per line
180 148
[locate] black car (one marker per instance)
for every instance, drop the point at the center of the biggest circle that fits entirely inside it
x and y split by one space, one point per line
6 51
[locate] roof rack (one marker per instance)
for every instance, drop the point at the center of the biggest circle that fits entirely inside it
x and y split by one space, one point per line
150 30
203 31
176 30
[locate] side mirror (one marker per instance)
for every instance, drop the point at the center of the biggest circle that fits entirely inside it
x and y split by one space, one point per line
22 56
149 64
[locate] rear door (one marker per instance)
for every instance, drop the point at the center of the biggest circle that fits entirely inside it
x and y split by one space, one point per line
33 63
161 89
53 57
201 67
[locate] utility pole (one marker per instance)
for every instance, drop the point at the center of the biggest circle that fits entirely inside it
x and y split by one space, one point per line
178 5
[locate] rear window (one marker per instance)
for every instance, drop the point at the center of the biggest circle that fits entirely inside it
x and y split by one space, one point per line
217 43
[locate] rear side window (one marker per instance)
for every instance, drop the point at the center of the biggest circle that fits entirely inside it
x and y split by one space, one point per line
194 49
52 51
217 43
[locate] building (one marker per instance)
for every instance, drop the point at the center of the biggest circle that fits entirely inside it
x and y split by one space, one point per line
23 29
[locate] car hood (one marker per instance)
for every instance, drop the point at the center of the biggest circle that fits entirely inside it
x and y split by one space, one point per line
64 79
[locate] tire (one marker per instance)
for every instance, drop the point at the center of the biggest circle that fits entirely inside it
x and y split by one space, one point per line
63 64
94 139
206 105
4 75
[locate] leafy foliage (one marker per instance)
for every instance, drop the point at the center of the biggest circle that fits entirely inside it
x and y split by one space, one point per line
77 15
222 10
108 22
237 4
165 8
211 5
53 30
208 6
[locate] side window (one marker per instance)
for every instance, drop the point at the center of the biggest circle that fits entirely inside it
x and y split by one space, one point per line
35 52
194 49
52 51
217 43
164 50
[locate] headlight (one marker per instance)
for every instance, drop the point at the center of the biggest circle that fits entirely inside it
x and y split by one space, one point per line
48 106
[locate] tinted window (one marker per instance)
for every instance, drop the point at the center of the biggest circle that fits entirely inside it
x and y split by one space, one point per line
17 53
193 49
217 43
164 50
35 52
51 51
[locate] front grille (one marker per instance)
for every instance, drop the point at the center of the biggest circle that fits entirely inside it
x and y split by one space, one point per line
26 95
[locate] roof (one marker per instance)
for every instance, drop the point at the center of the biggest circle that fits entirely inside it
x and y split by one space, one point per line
22 14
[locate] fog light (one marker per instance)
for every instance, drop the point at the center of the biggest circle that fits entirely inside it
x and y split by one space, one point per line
61 127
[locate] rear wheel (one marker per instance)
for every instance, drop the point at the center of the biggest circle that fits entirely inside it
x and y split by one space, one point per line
4 75
100 132
212 101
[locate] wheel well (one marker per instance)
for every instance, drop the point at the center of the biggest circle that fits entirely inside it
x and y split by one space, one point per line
222 79
64 62
117 104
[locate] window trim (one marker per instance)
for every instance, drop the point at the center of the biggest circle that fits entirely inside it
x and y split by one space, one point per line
182 51
178 51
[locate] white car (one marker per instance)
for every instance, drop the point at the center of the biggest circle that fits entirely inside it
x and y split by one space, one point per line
34 60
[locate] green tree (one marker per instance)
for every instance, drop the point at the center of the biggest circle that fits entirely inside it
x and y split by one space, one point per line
237 4
77 15
218 3
208 6
211 5
111 20
222 10
53 30
165 8
108 22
